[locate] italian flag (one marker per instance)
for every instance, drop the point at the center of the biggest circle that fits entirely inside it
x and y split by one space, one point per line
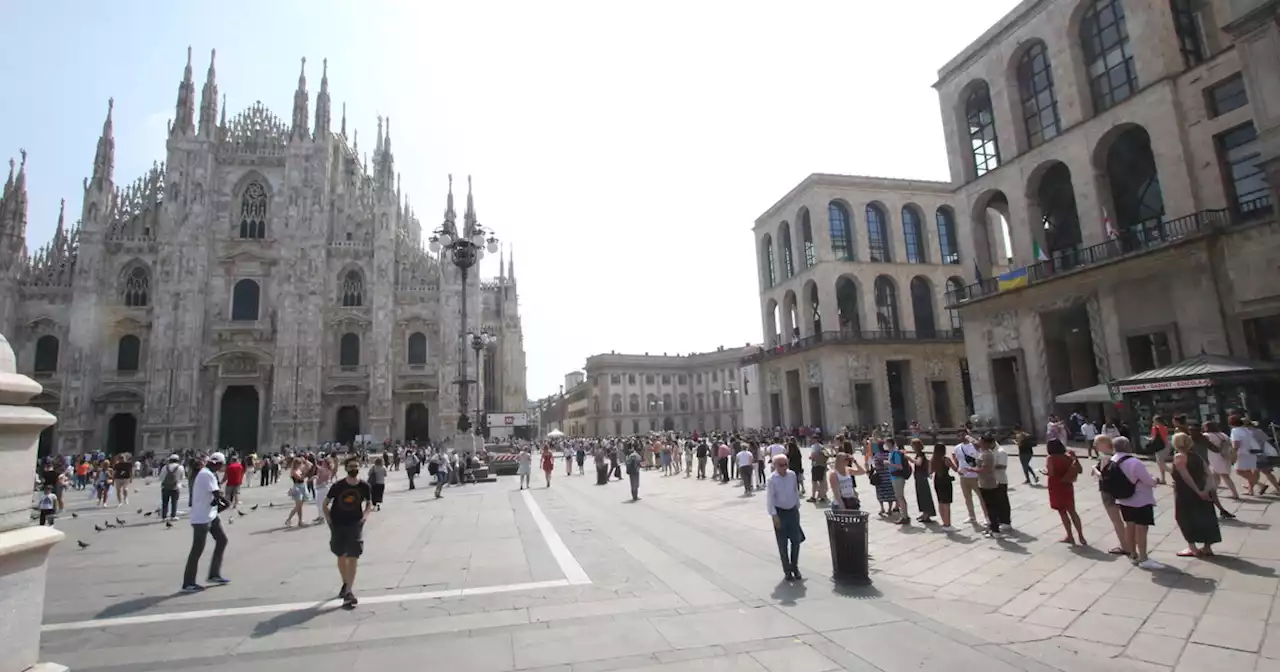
1039 252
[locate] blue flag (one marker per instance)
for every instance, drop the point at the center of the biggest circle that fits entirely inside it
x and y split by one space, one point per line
977 272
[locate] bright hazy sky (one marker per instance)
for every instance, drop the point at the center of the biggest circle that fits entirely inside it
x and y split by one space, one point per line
623 149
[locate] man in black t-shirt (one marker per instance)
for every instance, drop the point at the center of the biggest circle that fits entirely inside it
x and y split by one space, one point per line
347 506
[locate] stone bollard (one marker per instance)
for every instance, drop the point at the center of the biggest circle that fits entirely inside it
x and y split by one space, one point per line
24 546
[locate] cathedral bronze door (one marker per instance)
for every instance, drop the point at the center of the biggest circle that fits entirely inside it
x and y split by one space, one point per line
238 419
417 423
347 426
122 433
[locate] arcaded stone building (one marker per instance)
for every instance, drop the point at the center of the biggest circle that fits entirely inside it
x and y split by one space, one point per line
636 394
264 285
853 273
1128 146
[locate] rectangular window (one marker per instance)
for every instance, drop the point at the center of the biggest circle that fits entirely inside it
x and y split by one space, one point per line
941 403
648 380
615 379
631 378
714 378
966 387
635 426
1262 336
683 379
1225 96
1186 22
1241 157
1149 351
666 379
699 378
617 428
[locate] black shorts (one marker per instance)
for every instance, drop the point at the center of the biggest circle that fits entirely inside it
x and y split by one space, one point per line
818 473
1138 515
347 541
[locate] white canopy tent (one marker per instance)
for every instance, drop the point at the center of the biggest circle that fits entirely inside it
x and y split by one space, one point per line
1097 394
555 434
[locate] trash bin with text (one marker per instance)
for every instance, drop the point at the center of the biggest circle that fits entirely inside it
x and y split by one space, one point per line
847 531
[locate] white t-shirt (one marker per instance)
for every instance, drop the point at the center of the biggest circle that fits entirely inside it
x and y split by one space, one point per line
202 509
1002 466
1247 442
745 458
776 449
962 450
1089 431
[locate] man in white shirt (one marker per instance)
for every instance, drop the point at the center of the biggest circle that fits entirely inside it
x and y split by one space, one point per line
1002 479
776 449
1090 433
782 501
746 460
205 496
965 455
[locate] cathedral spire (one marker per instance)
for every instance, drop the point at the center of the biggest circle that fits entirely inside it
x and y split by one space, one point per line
386 145
344 121
511 265
301 101
322 103
502 262
470 216
14 204
184 112
222 120
377 148
209 99
449 215
60 232
104 160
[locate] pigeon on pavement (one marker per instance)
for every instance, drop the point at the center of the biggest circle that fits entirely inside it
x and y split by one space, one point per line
98 528
82 544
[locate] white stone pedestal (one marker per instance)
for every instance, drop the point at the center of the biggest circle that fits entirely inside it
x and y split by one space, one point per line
24 546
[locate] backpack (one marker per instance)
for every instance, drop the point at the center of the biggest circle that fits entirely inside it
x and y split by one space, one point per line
904 469
170 480
1114 482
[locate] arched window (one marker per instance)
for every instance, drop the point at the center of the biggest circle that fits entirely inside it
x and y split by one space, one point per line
878 234
128 352
417 348
46 354
701 402
253 212
770 272
947 235
806 232
913 236
615 403
788 265
715 400
666 403
1135 185
982 130
244 301
651 403
137 287
887 306
841 231
1039 102
349 350
847 305
922 307
1104 39
684 401
633 403
352 290
815 315
955 287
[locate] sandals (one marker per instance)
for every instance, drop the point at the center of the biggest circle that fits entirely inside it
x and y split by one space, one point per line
1188 553
1118 551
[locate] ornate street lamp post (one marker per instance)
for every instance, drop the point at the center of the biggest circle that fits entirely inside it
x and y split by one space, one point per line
479 341
465 248
731 392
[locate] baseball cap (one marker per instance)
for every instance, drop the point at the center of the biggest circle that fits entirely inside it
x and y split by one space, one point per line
218 458
174 457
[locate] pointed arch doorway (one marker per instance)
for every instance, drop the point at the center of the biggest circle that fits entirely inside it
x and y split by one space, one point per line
347 426
238 419
417 423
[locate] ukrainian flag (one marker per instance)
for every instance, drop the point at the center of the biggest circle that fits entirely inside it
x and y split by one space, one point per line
1013 279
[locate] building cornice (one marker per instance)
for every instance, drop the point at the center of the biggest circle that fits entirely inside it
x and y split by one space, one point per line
866 182
1016 18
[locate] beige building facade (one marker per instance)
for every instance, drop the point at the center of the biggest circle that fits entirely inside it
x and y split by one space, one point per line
1130 146
636 394
264 285
853 273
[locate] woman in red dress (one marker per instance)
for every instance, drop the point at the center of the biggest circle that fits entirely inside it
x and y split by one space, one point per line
1063 468
548 463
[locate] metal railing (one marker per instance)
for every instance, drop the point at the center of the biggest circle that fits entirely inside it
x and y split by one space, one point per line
1130 242
850 336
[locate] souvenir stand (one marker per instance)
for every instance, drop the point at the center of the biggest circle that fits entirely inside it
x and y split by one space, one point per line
1205 388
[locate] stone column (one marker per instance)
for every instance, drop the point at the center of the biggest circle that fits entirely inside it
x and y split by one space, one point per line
24 547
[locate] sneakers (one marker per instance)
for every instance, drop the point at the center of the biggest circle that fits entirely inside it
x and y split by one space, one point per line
1150 565
192 588
221 581
349 600
947 528
342 592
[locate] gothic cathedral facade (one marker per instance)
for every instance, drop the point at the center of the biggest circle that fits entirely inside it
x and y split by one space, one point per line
263 286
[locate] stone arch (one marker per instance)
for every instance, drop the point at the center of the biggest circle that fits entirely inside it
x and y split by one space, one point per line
788 254
808 248
246 298
135 283
812 316
888 319
771 322
879 236
922 311
351 286
948 235
47 354
128 353
914 236
992 231
849 303
1034 94
349 349
976 125
790 325
768 261
1052 209
841 230
1130 185
416 348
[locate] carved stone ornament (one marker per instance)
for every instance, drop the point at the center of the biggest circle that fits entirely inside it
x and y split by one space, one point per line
774 385
1002 332
814 371
859 366
935 368
240 365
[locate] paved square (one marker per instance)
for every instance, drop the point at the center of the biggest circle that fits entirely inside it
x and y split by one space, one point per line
576 578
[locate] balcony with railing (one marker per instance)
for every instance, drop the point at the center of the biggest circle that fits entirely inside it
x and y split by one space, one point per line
1135 241
855 337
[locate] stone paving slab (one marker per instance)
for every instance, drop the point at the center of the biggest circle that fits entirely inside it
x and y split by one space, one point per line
686 579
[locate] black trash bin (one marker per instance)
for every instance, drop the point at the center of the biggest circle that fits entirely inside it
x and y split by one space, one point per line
847 532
